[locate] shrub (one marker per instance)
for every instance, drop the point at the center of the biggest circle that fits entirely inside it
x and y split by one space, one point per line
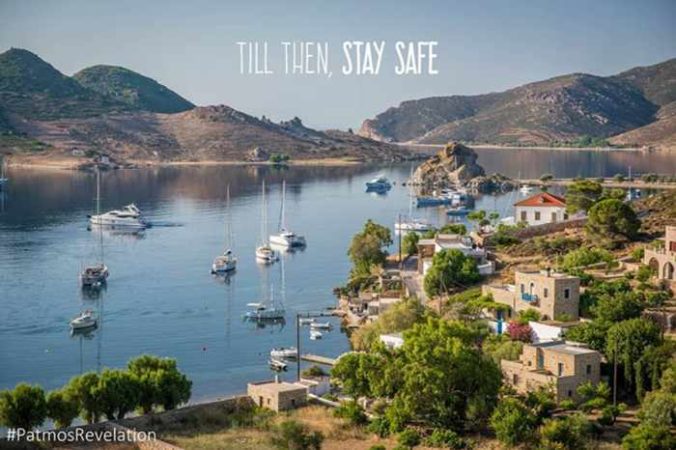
380 426
23 407
519 332
649 437
313 371
409 244
352 412
512 422
637 254
292 435
570 432
377 447
567 405
408 438
444 439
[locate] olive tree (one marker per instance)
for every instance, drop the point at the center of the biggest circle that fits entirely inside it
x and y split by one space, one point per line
23 407
62 407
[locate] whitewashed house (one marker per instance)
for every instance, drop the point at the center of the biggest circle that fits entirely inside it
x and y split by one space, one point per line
540 209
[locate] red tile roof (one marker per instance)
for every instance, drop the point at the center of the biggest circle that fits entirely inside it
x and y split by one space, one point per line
543 199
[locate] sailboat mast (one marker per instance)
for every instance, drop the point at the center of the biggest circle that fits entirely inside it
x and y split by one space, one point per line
282 213
228 226
98 210
263 216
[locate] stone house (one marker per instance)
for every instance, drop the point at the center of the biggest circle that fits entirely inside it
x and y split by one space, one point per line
560 365
540 209
663 259
278 396
554 295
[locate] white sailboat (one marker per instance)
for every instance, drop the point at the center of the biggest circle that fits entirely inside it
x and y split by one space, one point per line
85 320
227 262
95 276
286 238
264 253
411 223
265 310
3 176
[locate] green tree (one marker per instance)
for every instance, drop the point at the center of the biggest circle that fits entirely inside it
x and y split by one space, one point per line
119 393
408 438
354 371
581 195
594 334
613 222
85 388
23 407
398 317
513 422
367 247
352 412
500 347
409 244
627 341
478 217
450 268
584 257
593 396
62 407
159 382
621 306
659 409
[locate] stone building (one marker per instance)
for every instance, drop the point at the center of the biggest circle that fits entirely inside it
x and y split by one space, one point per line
278 396
554 295
557 364
663 259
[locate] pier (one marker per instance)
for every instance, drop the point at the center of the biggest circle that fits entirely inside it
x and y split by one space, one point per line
318 359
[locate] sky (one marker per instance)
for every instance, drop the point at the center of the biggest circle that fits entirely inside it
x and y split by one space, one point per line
483 46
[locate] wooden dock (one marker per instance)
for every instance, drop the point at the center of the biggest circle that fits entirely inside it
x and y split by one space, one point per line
318 359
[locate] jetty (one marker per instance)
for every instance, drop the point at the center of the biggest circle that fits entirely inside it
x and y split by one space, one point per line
318 359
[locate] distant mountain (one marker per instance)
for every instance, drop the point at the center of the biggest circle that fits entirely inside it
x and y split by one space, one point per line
112 110
33 89
561 109
132 88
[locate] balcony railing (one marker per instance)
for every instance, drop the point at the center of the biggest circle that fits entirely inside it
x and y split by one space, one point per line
532 298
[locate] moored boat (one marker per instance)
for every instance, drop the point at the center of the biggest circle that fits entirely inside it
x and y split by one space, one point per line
315 334
227 262
378 184
284 353
128 217
85 320
285 238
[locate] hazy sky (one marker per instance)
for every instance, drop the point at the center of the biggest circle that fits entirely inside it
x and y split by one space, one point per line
483 46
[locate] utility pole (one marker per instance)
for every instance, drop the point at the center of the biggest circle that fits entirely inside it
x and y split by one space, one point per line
298 346
401 263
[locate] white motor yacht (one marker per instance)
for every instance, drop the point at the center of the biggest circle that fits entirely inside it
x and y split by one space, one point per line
129 217
526 189
321 326
277 365
412 225
306 320
85 320
284 353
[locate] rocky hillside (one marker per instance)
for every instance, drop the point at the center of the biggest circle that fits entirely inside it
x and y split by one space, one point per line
112 110
134 89
558 110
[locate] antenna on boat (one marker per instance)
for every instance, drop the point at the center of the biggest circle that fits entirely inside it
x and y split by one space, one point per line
228 225
282 212
98 209
264 216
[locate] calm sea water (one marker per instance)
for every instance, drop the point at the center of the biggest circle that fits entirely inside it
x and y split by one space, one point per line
161 298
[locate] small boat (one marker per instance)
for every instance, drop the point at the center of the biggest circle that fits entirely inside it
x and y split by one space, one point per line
85 320
94 276
458 211
227 262
266 254
277 366
286 238
306 321
129 217
321 326
259 311
433 201
526 189
315 334
412 225
378 184
284 353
